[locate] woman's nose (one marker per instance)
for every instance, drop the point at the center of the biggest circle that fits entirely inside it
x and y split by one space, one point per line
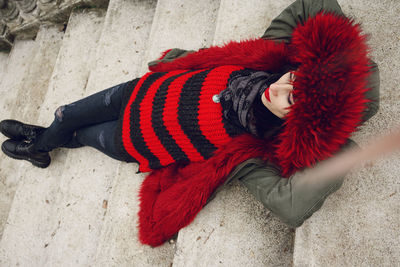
277 88
274 89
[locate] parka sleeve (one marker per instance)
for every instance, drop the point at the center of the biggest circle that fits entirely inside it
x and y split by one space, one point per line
282 26
293 200
170 55
373 93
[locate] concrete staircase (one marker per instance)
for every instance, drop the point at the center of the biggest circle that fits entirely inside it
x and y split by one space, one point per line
82 209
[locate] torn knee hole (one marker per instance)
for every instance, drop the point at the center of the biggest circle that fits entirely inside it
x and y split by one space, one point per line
109 93
60 113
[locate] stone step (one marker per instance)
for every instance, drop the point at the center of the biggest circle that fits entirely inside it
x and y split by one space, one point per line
29 98
359 224
238 20
18 64
25 17
186 24
14 66
6 39
3 66
32 222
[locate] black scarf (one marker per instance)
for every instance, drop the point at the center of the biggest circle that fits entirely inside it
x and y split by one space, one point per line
242 105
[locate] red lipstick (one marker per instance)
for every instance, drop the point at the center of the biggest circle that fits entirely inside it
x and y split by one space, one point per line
266 93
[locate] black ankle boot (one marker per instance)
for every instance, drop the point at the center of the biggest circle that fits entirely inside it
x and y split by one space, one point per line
23 150
17 130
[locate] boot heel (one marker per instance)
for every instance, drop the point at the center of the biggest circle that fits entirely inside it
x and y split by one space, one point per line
23 151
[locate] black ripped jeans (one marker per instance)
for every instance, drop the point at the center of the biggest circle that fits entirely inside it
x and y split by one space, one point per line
92 120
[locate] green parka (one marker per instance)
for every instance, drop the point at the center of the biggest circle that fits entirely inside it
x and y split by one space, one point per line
292 199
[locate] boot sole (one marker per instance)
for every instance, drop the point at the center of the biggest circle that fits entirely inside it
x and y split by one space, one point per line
33 161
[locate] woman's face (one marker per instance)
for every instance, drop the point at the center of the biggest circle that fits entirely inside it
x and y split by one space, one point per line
279 96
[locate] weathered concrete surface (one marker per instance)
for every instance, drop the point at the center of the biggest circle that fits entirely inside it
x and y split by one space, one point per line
18 64
37 78
3 66
14 67
32 222
119 238
235 230
57 12
186 24
359 225
238 20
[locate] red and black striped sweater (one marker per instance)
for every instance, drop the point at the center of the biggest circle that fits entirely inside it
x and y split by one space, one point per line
171 117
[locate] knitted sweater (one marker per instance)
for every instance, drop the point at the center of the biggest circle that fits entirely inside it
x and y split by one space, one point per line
242 106
172 117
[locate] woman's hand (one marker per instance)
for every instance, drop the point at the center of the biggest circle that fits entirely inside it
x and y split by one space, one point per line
354 157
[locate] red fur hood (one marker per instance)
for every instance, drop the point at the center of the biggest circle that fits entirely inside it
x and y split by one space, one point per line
331 78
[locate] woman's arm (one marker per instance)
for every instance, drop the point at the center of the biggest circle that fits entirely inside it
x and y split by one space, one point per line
295 199
292 200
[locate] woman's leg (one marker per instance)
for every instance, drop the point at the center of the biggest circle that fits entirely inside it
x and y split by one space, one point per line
95 109
101 137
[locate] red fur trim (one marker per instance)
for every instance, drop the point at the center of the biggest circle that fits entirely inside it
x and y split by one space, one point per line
258 54
329 91
171 197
